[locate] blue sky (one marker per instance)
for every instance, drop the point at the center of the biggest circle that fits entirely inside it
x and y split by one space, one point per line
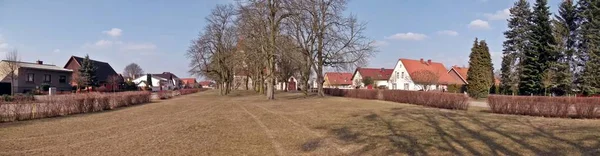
156 34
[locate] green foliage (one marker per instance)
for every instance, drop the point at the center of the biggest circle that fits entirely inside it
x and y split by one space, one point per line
540 54
367 81
455 88
514 46
480 70
87 73
589 49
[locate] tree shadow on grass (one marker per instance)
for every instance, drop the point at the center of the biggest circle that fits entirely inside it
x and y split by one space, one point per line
431 132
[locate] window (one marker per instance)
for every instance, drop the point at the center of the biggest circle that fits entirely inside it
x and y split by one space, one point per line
394 86
62 79
402 74
30 77
398 74
47 78
406 86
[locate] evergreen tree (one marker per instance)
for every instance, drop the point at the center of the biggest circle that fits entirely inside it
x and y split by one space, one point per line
149 80
540 54
514 46
589 46
565 27
480 71
87 73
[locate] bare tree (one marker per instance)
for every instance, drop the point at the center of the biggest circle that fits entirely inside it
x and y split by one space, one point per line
133 70
113 81
211 54
10 68
264 17
327 37
425 79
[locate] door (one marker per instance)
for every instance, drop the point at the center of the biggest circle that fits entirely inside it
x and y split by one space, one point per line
291 85
5 88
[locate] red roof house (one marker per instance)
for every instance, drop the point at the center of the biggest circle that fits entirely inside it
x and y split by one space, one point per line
380 76
414 66
338 80
460 74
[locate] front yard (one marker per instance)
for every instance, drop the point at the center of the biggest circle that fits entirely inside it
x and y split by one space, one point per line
245 124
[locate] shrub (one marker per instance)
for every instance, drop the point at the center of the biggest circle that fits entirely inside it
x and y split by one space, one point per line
545 106
60 105
431 99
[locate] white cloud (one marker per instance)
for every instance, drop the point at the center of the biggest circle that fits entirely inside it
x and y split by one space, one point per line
479 24
56 51
408 36
103 43
448 32
138 47
114 32
379 43
498 15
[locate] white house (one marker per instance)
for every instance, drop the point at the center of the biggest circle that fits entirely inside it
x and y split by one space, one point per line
407 71
380 77
164 81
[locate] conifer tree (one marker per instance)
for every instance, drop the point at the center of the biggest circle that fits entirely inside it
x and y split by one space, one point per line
480 70
589 46
514 46
565 27
540 54
87 72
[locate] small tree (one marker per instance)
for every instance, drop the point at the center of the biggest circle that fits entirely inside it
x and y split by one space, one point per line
113 81
133 70
425 79
87 73
149 80
367 81
11 66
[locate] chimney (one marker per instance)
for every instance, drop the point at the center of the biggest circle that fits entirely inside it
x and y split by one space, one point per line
382 69
421 60
40 62
429 61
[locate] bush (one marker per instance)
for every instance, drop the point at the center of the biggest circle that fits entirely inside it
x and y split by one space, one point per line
431 99
60 105
545 106
352 93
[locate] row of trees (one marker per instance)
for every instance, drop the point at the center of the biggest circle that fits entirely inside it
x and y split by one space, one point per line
269 40
559 56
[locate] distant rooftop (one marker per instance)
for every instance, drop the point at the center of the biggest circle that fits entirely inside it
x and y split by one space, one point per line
40 66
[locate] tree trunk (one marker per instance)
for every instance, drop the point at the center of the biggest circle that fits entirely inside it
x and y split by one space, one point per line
247 79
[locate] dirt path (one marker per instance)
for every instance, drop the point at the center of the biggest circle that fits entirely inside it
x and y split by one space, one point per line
240 124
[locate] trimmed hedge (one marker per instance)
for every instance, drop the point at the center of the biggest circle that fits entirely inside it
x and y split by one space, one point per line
581 107
431 99
61 105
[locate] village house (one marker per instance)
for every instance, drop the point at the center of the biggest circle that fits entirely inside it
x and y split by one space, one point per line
105 74
380 77
32 76
460 74
427 75
163 81
189 82
338 80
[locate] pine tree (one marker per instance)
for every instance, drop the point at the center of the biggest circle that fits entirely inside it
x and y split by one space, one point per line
87 73
565 27
540 54
589 46
514 46
480 70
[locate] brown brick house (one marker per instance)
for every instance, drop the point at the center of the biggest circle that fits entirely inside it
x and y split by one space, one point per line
104 72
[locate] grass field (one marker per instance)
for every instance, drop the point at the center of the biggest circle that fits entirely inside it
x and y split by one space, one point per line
244 124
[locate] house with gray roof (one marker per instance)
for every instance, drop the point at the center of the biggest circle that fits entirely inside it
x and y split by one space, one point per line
30 76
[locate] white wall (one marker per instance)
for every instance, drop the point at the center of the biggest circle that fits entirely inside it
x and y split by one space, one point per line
401 78
155 83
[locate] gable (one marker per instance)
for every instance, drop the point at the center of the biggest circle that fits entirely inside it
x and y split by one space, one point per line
103 69
437 68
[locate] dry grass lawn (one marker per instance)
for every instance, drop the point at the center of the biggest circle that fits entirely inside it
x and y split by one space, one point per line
242 124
